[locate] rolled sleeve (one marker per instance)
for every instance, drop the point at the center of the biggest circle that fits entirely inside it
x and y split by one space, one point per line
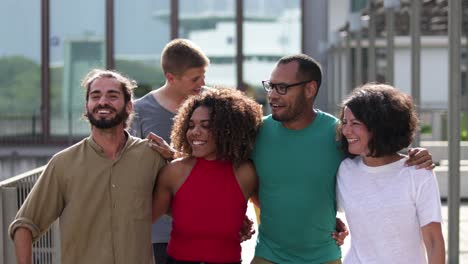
24 223
43 205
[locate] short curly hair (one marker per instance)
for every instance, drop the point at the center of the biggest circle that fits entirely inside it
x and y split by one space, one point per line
389 115
235 118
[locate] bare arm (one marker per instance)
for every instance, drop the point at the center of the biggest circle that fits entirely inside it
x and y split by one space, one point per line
162 196
247 178
434 241
23 245
248 181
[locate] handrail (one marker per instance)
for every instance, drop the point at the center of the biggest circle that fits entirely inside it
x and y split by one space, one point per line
13 192
21 176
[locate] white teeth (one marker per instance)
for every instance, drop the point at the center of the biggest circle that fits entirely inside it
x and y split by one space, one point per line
103 111
198 142
352 140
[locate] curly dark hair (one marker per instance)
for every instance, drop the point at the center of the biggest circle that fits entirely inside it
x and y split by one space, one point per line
389 115
235 122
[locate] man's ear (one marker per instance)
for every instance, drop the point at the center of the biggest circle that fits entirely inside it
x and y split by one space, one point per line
129 107
170 77
311 89
86 108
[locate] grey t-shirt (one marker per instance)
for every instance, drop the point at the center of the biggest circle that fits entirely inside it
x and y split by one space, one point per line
150 116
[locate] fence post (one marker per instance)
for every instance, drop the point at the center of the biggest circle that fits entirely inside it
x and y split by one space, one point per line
2 236
56 254
8 209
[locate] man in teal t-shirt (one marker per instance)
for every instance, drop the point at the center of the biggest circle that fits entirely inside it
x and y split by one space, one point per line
296 157
297 171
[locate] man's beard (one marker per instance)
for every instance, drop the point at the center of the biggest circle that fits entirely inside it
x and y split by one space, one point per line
294 112
103 123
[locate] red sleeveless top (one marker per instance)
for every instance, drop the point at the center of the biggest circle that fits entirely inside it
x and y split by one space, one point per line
208 211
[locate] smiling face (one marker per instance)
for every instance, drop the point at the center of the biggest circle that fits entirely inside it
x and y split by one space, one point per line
199 134
105 106
190 82
356 133
291 109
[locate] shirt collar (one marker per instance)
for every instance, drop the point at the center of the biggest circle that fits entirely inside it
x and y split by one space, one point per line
100 151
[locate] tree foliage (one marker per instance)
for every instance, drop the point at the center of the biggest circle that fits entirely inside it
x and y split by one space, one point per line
20 86
20 83
148 76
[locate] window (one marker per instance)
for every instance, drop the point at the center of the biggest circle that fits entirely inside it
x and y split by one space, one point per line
272 29
209 24
20 69
141 32
77 45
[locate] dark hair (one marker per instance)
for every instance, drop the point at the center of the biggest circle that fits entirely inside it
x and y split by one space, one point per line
126 84
309 69
389 115
235 122
179 55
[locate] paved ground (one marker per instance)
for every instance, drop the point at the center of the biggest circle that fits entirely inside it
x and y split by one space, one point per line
249 246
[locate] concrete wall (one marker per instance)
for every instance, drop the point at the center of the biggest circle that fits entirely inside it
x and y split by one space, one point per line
443 180
439 149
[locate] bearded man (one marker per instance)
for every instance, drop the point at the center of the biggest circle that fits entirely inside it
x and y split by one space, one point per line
100 188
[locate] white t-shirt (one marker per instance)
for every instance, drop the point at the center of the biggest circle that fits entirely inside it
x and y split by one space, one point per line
386 207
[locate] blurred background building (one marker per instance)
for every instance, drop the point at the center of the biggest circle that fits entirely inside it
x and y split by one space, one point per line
46 47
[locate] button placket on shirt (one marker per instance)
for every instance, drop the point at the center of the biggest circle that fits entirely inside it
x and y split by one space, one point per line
113 186
113 197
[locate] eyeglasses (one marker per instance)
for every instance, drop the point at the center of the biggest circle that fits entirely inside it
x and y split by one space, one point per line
281 88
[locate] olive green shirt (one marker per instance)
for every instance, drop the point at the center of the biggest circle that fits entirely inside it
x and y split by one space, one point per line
104 205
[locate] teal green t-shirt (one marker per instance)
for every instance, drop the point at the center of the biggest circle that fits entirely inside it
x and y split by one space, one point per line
296 170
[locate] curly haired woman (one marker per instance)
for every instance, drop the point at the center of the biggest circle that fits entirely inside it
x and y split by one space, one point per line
393 210
207 187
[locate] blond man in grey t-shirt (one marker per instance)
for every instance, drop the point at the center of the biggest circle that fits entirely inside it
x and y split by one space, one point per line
184 65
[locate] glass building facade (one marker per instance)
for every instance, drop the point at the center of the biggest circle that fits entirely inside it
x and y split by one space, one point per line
49 45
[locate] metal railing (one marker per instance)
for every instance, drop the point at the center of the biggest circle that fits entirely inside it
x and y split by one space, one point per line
13 192
22 124
27 129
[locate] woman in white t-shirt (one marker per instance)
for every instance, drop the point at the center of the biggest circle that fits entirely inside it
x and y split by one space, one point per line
393 211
